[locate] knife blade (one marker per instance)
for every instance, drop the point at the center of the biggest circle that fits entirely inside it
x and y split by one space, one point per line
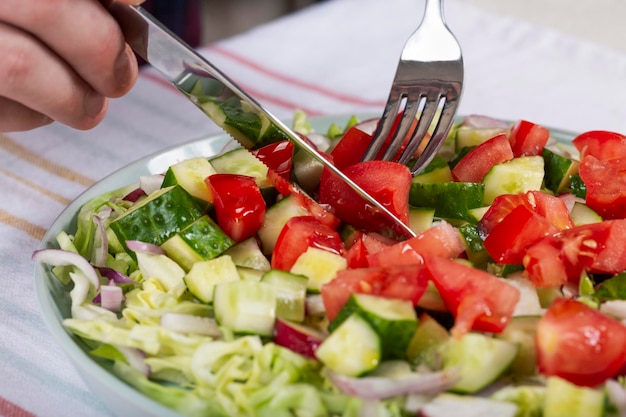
223 101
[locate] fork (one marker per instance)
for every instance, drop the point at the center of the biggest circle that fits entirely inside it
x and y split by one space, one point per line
427 84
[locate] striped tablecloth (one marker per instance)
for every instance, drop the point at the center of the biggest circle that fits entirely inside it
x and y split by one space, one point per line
337 57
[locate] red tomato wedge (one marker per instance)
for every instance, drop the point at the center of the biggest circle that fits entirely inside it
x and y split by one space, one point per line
606 186
300 233
403 282
473 166
239 204
579 344
387 182
601 144
528 138
277 156
478 300
596 247
440 240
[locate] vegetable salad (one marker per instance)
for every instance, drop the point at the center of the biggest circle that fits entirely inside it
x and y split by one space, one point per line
256 283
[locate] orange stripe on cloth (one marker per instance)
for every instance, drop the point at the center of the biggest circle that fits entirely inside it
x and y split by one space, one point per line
31 157
8 409
36 187
24 225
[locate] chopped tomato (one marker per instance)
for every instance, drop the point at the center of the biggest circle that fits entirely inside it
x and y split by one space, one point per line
551 208
596 248
403 282
440 240
606 186
300 233
498 210
388 182
578 343
601 144
277 156
528 138
508 240
239 204
478 300
473 166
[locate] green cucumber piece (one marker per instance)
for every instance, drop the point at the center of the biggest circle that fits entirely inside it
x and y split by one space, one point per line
204 276
521 330
427 341
476 252
190 174
453 405
516 176
578 187
480 359
564 399
421 218
558 169
471 137
437 170
583 214
246 307
451 200
155 219
431 299
250 274
161 268
394 321
275 218
319 266
200 241
247 254
241 162
352 349
290 294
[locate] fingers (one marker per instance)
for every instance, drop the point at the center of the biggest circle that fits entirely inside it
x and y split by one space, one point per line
83 34
35 77
17 117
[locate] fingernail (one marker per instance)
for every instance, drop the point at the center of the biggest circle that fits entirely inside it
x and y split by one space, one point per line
94 103
123 68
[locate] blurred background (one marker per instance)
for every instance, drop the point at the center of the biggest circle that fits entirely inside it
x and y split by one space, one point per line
205 21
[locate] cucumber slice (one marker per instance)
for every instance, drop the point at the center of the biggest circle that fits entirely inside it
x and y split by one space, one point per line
352 349
161 268
427 341
516 176
190 174
453 405
583 214
451 200
421 218
204 276
564 399
248 254
155 219
245 307
476 252
437 170
578 187
394 321
290 294
558 169
521 330
241 162
249 274
480 359
319 266
200 241
431 299
469 136
275 218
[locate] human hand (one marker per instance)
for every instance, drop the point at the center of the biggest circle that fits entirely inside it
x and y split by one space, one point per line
60 60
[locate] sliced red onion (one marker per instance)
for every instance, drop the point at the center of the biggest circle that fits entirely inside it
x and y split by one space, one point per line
144 247
617 395
614 308
135 358
116 276
321 142
378 388
187 323
150 183
101 252
134 195
111 297
477 121
59 257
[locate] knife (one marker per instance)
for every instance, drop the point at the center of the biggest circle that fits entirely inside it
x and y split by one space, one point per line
231 108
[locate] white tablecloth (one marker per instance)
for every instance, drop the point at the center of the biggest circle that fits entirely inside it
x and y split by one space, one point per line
337 57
